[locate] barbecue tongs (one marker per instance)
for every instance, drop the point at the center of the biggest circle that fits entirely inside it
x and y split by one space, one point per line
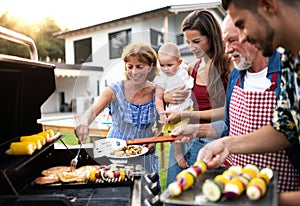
74 161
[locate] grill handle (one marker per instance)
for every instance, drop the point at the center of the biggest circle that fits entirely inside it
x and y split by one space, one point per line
20 39
151 140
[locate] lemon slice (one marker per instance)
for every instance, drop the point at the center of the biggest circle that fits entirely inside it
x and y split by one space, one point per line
236 168
252 167
248 173
264 176
259 182
268 172
188 178
222 180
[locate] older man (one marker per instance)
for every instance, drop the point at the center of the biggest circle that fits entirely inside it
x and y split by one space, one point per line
254 88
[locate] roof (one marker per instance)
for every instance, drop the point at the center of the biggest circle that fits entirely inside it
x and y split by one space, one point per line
173 9
76 70
78 67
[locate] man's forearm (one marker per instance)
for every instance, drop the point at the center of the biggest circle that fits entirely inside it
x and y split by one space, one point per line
289 198
265 139
207 131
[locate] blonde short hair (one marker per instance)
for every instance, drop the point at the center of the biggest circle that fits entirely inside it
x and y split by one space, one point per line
169 48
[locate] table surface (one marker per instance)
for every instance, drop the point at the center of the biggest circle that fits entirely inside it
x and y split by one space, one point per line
68 125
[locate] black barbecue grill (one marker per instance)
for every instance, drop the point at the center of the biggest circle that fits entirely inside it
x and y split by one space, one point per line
25 84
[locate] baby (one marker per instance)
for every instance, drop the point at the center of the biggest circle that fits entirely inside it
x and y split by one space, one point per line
173 74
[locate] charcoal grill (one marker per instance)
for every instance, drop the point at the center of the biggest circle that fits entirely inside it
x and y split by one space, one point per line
25 84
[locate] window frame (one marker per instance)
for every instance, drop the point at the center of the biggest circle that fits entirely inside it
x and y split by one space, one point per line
121 38
83 50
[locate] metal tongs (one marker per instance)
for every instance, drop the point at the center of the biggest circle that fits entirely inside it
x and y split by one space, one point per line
74 161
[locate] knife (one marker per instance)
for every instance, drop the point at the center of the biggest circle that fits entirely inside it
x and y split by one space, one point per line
105 146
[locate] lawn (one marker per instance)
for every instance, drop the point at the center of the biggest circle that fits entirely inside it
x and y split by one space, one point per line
162 152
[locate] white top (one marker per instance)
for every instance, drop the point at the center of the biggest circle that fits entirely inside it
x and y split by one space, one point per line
179 79
257 81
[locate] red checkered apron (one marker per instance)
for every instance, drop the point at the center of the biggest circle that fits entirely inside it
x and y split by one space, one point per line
248 111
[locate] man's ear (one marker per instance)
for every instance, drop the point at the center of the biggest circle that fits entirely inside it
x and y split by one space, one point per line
268 7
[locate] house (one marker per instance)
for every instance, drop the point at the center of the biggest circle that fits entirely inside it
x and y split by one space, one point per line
101 45
74 83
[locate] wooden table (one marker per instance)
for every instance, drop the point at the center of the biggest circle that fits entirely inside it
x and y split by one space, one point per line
68 125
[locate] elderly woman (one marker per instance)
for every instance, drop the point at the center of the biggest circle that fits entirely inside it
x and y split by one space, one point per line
131 101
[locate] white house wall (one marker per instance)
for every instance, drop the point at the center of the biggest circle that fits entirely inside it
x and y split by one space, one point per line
72 87
140 32
114 68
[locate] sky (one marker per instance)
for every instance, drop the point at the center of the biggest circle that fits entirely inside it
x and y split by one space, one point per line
75 14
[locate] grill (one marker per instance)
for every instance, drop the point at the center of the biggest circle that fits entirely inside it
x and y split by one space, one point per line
25 84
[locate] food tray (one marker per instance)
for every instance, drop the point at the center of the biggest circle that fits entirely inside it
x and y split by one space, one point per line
194 195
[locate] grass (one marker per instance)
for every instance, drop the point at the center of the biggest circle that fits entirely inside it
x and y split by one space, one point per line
162 150
163 154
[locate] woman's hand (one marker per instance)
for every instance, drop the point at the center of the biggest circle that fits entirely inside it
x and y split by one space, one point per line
173 116
150 147
82 131
176 96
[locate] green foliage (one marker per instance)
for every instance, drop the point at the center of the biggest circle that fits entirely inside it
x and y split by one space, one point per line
42 35
47 44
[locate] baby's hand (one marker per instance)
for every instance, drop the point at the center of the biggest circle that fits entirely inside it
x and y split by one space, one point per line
162 119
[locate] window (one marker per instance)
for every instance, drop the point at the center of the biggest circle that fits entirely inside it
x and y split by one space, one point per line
83 51
180 39
156 38
183 47
117 41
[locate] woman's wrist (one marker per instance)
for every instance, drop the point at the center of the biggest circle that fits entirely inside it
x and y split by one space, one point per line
167 97
185 114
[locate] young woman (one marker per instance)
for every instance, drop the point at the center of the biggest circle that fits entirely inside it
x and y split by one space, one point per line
203 34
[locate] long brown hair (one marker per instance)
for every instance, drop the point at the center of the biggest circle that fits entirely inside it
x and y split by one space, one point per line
204 22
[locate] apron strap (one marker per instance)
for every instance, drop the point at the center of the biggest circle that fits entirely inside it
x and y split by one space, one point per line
273 84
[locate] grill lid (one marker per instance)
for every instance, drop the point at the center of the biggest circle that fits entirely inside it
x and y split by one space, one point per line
25 84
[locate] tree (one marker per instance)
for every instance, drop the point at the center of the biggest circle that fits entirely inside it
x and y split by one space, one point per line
42 34
47 44
17 25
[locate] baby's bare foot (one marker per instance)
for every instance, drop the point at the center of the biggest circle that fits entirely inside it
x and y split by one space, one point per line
181 161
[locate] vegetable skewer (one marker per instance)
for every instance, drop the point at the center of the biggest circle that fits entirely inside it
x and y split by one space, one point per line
187 178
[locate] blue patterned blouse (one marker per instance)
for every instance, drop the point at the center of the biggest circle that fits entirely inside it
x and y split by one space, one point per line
130 121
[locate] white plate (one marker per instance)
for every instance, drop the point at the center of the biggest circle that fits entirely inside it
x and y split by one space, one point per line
144 151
